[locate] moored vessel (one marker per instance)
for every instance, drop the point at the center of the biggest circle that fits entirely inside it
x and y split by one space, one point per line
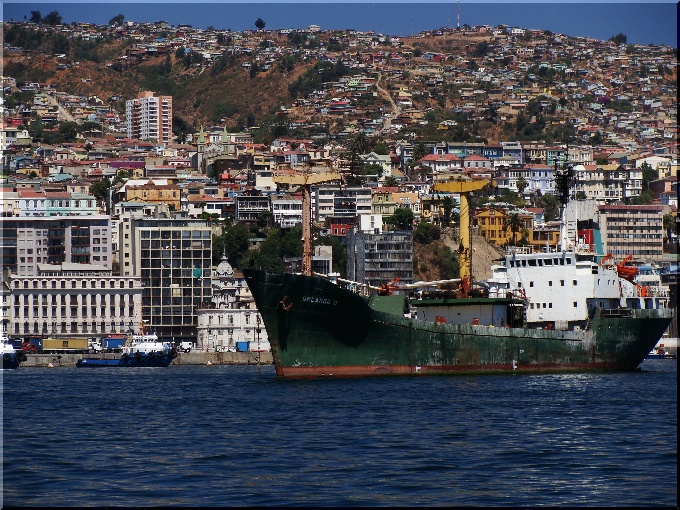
321 328
11 357
140 350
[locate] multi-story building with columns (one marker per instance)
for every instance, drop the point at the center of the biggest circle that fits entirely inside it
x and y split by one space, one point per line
73 300
231 316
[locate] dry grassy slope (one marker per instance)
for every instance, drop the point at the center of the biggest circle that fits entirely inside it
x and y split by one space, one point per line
260 95
485 254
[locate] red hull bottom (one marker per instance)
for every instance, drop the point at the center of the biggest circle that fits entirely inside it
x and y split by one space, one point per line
379 370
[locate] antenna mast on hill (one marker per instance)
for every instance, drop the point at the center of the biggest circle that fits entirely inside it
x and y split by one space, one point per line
458 13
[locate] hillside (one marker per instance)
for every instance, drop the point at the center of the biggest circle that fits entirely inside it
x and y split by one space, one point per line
198 96
427 256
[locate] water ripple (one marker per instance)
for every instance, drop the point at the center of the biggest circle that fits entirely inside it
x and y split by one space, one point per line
237 436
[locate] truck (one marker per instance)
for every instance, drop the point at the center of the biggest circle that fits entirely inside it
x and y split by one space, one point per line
186 346
94 345
242 346
65 345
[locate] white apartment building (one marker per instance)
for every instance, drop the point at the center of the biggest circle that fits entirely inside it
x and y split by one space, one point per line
149 117
286 210
607 183
538 177
346 202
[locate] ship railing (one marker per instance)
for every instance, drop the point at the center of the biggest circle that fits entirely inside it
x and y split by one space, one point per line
616 313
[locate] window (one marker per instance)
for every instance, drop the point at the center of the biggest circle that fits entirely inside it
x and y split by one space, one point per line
575 282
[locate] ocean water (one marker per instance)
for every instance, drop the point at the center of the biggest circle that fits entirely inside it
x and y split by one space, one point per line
237 436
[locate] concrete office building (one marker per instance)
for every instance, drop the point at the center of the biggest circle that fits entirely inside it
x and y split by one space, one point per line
173 259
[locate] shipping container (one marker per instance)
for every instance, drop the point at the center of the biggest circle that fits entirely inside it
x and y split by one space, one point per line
242 346
114 343
65 344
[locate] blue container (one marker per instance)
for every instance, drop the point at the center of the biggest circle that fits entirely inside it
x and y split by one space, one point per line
242 346
113 343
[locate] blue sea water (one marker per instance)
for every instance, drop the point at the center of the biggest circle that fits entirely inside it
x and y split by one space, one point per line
237 436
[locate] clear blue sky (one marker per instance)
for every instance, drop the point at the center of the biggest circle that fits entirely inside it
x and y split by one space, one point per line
643 22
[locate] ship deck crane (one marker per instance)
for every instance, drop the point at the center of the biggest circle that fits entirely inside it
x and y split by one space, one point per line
464 188
305 179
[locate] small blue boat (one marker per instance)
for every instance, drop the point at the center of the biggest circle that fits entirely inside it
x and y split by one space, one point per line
11 357
140 350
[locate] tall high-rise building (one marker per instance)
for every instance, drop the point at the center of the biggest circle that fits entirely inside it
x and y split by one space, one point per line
149 117
173 257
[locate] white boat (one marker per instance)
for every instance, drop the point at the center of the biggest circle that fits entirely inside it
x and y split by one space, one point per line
11 357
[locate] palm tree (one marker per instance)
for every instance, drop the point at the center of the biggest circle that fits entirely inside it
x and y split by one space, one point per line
448 205
668 225
521 184
514 223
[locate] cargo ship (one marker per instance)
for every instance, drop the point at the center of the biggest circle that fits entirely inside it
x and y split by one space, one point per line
321 328
140 350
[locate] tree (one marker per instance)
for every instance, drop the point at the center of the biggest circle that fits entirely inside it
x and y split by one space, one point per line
259 24
648 175
402 219
100 190
448 204
391 181
426 232
69 130
551 207
235 244
117 20
121 176
619 38
53 18
669 225
514 223
180 128
264 219
35 17
419 152
521 184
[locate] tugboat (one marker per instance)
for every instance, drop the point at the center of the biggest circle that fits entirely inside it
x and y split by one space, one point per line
11 357
140 350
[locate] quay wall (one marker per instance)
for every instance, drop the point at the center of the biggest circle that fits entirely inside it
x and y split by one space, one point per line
183 358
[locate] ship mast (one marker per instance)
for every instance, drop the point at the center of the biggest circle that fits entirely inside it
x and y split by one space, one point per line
305 180
464 188
564 175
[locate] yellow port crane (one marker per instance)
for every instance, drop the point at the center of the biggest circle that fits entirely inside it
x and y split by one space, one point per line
464 188
306 179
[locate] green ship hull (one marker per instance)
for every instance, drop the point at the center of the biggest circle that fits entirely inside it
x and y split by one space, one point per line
318 329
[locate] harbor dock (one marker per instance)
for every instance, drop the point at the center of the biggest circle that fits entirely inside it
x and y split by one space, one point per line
183 358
